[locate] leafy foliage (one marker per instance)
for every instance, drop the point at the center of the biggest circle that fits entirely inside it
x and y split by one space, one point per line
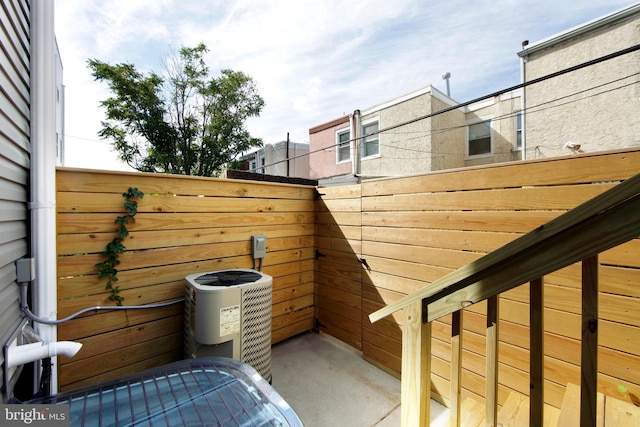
107 268
183 123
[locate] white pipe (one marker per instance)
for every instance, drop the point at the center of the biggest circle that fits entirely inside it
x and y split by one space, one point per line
27 353
523 103
43 172
352 147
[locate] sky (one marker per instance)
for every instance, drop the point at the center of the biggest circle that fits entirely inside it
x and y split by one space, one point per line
312 61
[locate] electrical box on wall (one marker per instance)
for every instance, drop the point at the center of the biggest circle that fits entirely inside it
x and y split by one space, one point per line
259 246
25 270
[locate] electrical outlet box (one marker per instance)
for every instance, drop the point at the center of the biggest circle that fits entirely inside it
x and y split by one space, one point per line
25 270
259 246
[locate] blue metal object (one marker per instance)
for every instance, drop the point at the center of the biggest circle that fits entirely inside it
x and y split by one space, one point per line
207 391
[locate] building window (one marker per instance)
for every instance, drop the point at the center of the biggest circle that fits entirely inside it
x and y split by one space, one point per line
479 141
343 153
371 145
252 165
519 130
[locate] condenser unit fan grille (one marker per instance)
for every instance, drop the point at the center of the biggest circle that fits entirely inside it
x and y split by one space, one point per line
228 278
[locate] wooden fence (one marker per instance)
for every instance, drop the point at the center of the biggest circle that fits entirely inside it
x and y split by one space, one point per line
185 225
338 259
602 223
415 230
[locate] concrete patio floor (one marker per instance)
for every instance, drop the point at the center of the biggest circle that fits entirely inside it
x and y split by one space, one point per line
328 384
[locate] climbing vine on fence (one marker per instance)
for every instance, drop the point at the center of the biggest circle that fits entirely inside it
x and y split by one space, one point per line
107 268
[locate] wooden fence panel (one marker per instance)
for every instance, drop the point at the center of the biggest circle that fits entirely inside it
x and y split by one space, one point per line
417 229
185 225
338 269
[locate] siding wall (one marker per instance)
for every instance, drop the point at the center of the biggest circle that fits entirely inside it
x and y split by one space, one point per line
406 149
565 108
418 229
322 150
501 110
14 155
185 225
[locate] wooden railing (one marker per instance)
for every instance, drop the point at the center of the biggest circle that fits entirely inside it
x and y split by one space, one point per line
606 221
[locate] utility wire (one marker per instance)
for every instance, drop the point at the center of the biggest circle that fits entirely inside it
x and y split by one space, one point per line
530 110
482 98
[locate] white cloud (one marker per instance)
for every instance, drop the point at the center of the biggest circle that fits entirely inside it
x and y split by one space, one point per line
312 60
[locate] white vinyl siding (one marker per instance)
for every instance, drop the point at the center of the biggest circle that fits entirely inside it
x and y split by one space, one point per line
14 155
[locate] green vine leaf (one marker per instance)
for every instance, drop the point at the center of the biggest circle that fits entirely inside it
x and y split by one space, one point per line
106 269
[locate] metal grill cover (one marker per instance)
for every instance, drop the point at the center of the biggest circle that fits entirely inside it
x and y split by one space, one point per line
228 278
207 391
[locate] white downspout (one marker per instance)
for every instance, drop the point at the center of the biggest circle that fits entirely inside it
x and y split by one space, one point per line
523 101
355 123
352 147
43 173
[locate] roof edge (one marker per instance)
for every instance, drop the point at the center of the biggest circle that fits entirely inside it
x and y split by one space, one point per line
327 125
581 29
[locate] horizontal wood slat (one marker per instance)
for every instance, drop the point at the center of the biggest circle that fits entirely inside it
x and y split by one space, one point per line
97 202
599 167
93 181
532 198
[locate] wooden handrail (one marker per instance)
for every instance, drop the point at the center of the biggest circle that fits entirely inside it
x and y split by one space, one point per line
601 223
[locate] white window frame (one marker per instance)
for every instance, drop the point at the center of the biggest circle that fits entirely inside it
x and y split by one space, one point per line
338 143
467 141
363 141
519 131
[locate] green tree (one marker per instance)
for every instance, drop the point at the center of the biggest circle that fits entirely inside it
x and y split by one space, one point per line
184 122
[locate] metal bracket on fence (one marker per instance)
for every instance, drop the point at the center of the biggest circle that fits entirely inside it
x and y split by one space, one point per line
364 262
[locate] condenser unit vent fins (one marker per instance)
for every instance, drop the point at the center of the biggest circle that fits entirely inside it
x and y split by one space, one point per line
256 328
228 278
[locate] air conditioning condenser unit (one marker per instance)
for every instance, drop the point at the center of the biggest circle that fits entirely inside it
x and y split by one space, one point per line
228 314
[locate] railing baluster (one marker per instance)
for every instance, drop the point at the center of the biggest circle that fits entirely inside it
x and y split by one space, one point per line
492 362
456 369
416 368
589 365
536 352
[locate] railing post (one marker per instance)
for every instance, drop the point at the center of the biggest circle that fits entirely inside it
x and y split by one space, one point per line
491 394
456 369
536 352
589 362
416 368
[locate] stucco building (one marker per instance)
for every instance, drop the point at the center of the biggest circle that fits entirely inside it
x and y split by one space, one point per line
418 132
591 108
595 107
280 159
